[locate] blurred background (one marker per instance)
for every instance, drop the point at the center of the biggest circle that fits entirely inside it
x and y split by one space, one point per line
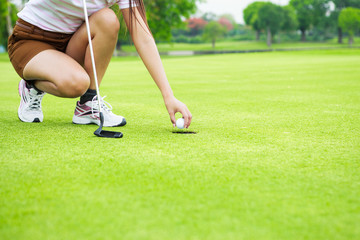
220 25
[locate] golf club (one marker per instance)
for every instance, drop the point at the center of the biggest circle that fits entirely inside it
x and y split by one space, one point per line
99 132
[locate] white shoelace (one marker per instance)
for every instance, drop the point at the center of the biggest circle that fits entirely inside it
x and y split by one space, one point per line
35 101
104 105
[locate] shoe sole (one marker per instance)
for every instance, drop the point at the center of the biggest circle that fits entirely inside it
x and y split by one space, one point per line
82 121
36 120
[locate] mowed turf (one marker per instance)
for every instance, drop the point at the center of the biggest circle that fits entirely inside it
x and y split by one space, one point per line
276 154
246 45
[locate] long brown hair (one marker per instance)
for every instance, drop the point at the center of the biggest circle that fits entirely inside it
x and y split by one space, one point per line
139 4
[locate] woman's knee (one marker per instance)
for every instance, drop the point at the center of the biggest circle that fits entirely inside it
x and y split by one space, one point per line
74 85
107 21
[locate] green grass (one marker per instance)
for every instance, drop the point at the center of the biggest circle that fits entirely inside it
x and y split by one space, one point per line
244 45
276 155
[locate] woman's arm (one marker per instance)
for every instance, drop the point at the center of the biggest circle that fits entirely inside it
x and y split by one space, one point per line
146 47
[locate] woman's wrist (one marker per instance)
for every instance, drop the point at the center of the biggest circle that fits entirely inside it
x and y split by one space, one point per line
167 95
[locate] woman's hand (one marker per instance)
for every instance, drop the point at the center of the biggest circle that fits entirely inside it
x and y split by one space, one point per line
173 106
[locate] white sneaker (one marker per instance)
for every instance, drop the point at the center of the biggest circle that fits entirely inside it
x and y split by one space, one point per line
30 104
88 113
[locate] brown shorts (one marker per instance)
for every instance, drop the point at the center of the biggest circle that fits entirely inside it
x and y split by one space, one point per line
28 40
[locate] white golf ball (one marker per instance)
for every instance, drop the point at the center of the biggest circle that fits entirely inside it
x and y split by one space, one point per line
180 123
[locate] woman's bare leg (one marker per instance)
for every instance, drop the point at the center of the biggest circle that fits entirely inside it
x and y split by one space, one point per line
104 27
70 74
56 73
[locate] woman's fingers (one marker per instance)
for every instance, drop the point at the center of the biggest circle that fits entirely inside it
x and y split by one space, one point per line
172 118
187 116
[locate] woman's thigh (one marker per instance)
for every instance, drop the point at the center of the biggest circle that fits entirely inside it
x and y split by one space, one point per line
67 77
104 23
52 65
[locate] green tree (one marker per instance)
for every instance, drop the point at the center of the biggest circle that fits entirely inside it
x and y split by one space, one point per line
8 17
214 31
304 15
319 11
339 5
271 18
165 15
251 17
349 21
309 13
290 21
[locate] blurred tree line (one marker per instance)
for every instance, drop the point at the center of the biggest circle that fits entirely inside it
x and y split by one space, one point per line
208 27
315 20
322 18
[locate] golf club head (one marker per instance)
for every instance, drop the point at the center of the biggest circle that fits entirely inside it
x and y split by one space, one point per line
107 134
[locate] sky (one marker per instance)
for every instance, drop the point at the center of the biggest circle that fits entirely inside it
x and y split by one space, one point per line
234 7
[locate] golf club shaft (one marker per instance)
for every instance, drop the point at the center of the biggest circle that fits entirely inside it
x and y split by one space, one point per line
92 54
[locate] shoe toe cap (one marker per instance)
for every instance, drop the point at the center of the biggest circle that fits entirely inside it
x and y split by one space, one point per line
123 122
118 123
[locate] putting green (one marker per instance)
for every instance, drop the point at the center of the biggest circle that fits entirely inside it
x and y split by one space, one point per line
276 154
